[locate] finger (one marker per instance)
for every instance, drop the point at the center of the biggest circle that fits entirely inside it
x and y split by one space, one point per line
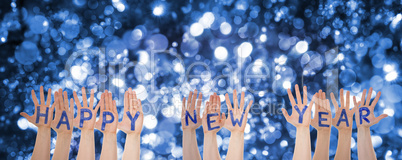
363 97
190 95
35 100
126 103
102 102
84 97
334 102
317 105
355 108
219 103
134 94
311 102
379 118
207 108
342 98
199 101
72 106
291 98
377 97
298 94
49 97
223 118
114 107
65 100
285 114
235 100
106 106
91 99
242 101
183 106
348 99
139 105
61 100
193 100
131 98
25 115
305 93
98 106
42 96
77 101
248 107
228 103
369 97
110 101
56 100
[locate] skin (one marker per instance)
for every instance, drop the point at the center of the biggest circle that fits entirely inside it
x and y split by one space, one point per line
42 143
236 141
344 131
64 133
365 148
302 146
109 145
323 133
132 145
213 106
190 145
87 144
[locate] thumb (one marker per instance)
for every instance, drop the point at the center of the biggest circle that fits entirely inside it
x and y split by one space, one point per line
285 113
382 116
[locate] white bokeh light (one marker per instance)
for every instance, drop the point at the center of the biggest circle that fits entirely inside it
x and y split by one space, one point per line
158 10
245 49
221 53
225 28
196 29
301 46
150 121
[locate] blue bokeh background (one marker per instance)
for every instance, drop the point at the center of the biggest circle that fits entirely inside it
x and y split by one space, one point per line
164 49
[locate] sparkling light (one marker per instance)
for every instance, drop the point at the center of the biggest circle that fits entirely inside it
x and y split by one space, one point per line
245 49
225 28
196 29
391 76
207 19
221 53
158 10
150 121
301 46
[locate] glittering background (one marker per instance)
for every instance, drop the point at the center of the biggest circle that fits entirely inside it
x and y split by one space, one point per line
163 49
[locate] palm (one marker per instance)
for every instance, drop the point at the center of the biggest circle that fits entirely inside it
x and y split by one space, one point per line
87 124
133 106
107 104
237 117
186 122
213 107
366 107
344 108
322 105
61 105
302 119
43 107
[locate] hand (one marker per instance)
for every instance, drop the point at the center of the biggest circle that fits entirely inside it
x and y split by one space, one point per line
64 113
132 108
367 119
301 113
343 116
86 115
43 114
212 113
237 118
189 121
322 107
108 109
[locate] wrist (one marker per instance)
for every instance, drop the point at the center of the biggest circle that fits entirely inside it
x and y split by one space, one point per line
324 132
64 136
133 136
347 132
303 129
186 131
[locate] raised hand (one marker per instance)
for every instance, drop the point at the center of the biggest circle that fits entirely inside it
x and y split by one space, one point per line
108 118
212 119
63 120
322 116
86 115
43 115
365 114
190 121
237 117
190 115
133 115
42 118
301 113
343 119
